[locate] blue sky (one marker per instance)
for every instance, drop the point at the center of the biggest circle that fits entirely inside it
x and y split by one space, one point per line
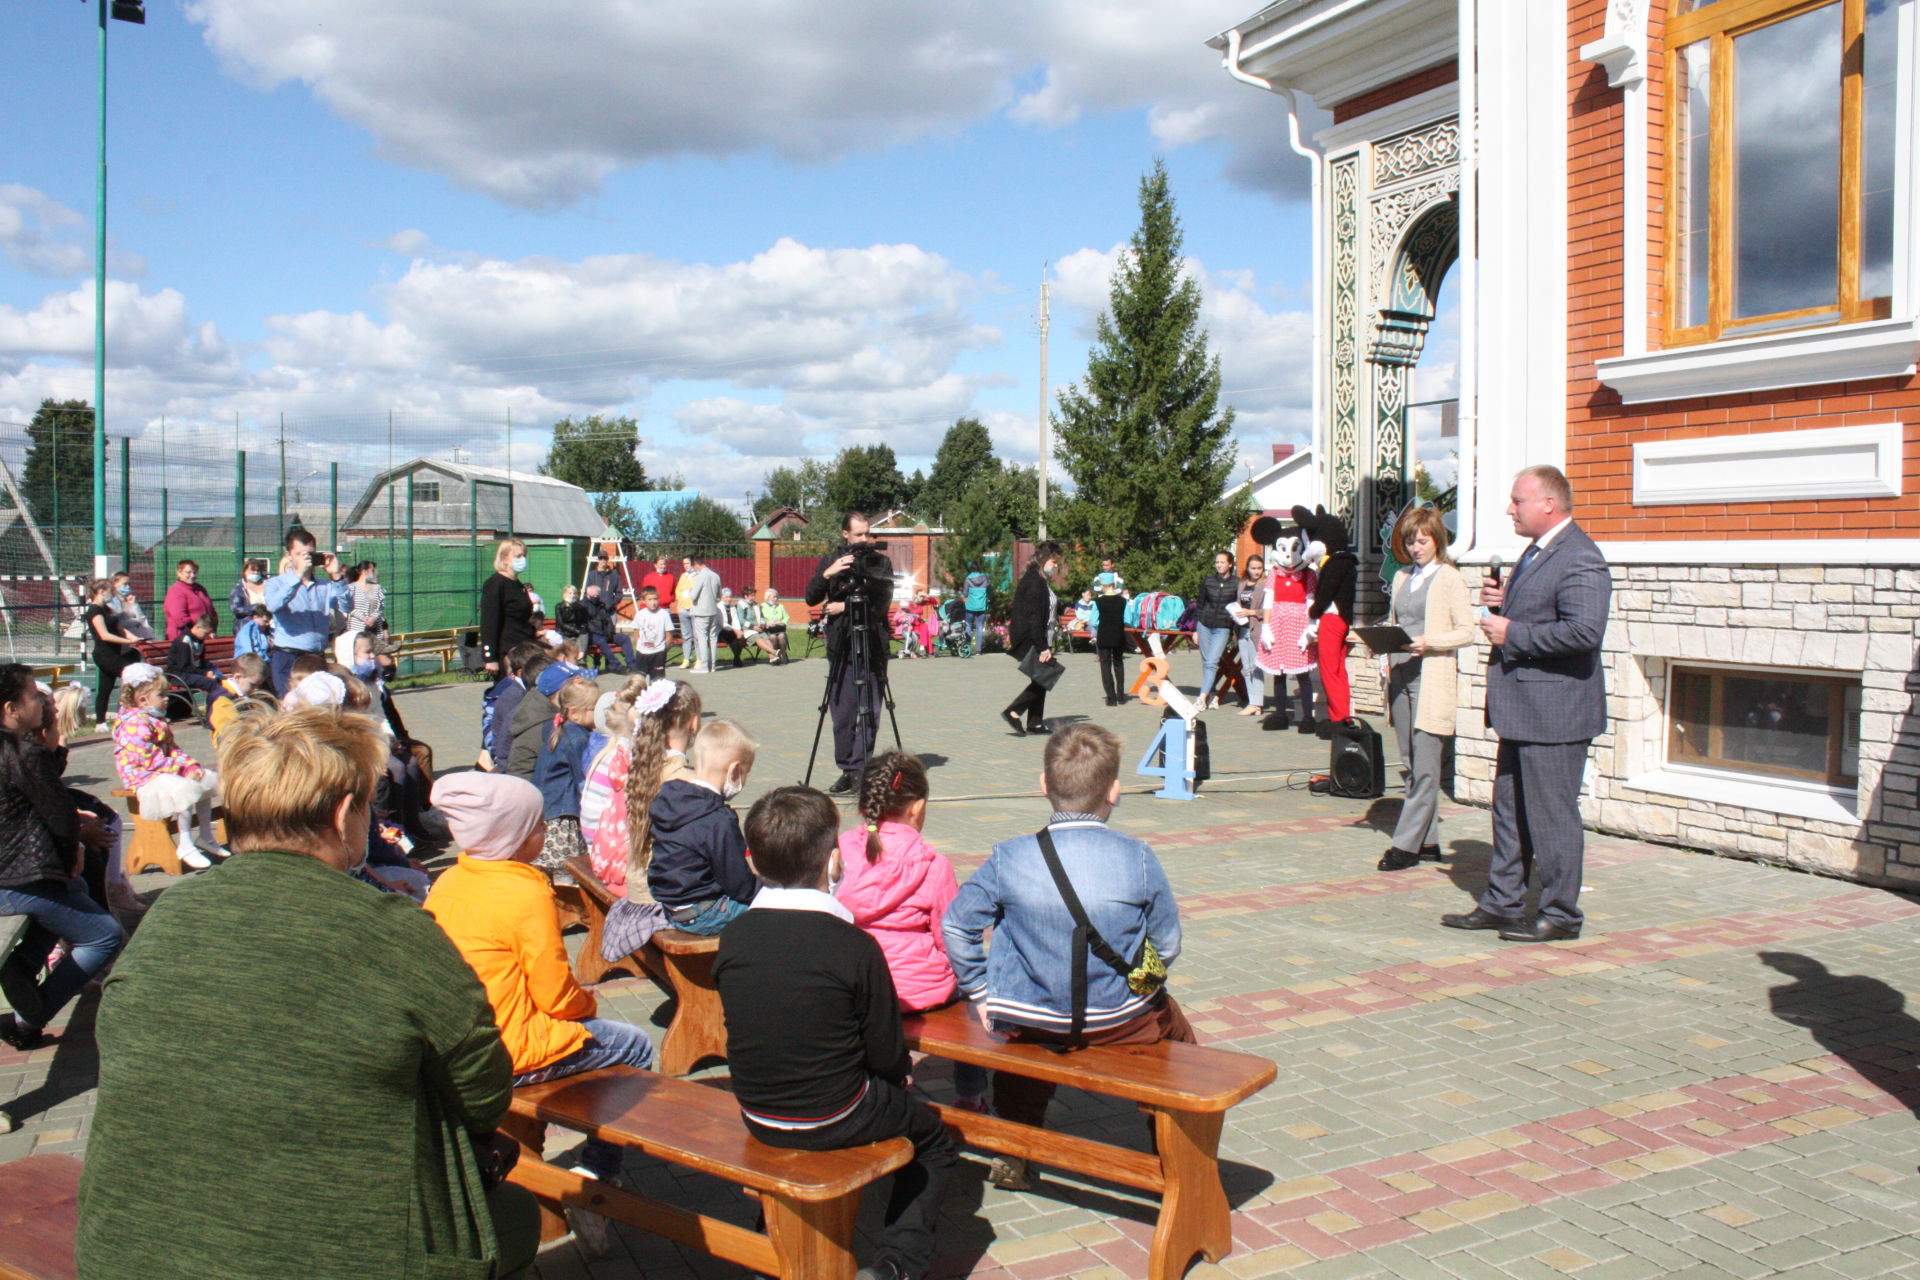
802 227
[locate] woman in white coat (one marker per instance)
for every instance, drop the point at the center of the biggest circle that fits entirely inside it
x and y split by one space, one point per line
1430 604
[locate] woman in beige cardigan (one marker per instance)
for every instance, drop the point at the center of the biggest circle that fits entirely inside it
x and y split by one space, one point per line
1430 604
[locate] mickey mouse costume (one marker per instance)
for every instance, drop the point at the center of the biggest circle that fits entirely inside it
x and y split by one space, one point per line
1331 611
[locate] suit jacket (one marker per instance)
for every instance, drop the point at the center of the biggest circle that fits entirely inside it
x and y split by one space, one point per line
1547 682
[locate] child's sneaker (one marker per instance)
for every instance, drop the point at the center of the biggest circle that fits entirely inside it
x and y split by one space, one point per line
1010 1173
191 856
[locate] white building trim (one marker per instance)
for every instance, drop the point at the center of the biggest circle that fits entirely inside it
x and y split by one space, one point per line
1399 117
1748 791
1805 358
1823 552
1772 466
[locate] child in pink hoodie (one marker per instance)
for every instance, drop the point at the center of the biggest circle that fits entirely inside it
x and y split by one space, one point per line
898 888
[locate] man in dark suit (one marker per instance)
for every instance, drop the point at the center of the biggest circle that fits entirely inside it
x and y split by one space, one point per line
1547 700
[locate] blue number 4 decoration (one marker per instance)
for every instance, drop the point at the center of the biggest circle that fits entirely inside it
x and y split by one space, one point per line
1169 757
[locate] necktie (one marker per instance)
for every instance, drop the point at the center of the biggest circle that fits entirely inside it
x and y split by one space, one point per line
1526 558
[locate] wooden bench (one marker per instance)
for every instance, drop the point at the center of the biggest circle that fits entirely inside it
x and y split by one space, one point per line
586 902
443 644
1185 1090
810 1198
152 843
683 964
39 1214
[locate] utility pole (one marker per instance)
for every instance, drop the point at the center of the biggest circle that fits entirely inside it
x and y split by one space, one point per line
1046 447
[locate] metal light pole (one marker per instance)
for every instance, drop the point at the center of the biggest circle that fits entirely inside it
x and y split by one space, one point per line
133 11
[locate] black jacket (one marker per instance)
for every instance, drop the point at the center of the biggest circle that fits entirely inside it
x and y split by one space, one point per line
506 616
600 616
612 585
1217 591
39 826
187 656
1030 620
840 625
811 1012
698 851
532 720
573 619
1110 632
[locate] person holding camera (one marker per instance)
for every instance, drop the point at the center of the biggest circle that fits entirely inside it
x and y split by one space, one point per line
302 605
855 582
1029 631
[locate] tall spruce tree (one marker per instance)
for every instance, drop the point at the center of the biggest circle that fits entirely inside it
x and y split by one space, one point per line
57 478
1138 436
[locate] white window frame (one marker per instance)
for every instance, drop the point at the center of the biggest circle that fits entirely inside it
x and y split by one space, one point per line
1766 793
1800 358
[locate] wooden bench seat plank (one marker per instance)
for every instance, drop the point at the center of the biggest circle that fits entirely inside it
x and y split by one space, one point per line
1181 1077
700 1128
39 1214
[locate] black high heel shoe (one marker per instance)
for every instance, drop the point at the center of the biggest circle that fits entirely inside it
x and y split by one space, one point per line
1014 723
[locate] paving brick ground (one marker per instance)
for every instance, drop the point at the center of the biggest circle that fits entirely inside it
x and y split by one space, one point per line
1716 1081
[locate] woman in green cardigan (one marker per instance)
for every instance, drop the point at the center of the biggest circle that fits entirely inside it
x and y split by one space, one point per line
294 1067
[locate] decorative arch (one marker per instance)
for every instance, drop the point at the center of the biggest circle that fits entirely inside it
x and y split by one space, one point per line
1427 251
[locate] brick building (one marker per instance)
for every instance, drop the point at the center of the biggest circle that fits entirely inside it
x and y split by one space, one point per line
1683 239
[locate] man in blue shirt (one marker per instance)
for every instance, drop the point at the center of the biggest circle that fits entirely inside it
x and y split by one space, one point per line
302 607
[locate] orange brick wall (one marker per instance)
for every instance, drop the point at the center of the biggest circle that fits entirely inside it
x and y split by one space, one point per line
1601 431
1399 91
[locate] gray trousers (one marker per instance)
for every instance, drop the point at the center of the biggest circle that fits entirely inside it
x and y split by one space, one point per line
1420 754
1536 823
853 733
703 635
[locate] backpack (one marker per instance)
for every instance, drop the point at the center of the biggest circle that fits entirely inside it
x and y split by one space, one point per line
976 593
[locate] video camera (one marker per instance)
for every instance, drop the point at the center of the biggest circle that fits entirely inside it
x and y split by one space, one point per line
870 568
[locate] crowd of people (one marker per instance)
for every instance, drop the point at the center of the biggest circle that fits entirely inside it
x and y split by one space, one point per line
349 1025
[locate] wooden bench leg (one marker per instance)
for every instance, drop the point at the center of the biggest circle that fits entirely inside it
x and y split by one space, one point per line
1193 1210
699 1029
532 1137
812 1239
151 844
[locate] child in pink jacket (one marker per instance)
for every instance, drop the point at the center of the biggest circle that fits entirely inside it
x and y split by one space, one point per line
898 888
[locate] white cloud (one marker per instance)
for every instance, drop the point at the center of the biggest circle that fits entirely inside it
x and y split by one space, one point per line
592 87
41 236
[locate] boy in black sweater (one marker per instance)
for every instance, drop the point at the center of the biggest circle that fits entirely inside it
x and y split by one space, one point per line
813 1024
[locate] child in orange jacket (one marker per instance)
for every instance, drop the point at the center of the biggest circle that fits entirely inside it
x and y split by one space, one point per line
498 909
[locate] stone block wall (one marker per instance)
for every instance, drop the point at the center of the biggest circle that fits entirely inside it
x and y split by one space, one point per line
1846 620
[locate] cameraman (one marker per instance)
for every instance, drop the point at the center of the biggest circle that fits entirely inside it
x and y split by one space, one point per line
841 580
302 606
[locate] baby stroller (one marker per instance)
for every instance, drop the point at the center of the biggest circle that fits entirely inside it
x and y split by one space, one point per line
952 639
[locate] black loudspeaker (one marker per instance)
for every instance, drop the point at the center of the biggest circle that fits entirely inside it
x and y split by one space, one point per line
1357 767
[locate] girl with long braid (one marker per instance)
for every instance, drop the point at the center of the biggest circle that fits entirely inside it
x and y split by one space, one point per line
898 887
666 718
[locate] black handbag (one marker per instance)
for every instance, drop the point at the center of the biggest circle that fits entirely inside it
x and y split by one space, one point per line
1145 975
1045 674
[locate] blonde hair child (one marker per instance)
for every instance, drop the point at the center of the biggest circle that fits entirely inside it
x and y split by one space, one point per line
167 782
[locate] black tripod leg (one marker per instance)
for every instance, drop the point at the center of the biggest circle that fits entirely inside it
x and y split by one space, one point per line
886 695
834 666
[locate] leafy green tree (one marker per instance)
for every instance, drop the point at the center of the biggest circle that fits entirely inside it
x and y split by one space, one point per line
976 525
1139 436
804 488
965 455
701 523
597 453
1017 491
57 480
864 478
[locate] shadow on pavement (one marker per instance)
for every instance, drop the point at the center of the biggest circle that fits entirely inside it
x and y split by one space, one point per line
1859 1019
75 1068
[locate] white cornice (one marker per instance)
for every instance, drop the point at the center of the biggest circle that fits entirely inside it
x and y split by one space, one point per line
1408 113
1336 50
1807 551
1807 358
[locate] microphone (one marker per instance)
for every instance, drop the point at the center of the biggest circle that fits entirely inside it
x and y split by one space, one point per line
1494 565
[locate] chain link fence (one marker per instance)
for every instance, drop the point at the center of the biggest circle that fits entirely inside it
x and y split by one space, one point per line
219 495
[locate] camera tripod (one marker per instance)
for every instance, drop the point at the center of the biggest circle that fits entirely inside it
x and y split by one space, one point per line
857 652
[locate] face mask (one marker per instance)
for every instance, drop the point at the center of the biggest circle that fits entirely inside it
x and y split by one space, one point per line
126 588
519 564
835 873
365 670
254 577
731 788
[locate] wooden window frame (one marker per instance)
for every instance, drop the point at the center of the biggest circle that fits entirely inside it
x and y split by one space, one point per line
1721 23
1680 752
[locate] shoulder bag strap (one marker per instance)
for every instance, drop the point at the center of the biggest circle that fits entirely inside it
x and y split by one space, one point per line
1085 937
